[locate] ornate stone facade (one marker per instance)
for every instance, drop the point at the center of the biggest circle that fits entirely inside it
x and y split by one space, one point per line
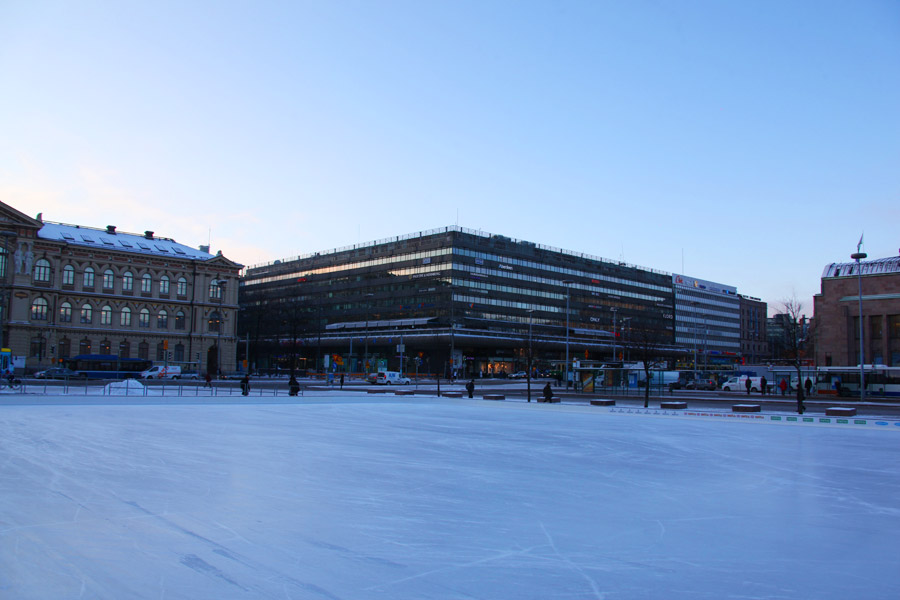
70 290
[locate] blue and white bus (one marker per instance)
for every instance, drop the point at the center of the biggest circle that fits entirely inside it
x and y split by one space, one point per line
107 366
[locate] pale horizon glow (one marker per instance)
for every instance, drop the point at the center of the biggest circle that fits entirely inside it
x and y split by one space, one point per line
748 144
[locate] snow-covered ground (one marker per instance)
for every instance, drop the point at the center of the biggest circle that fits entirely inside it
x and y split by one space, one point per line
350 496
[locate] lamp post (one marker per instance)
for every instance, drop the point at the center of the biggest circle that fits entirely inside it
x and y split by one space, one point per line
220 283
4 302
857 256
567 283
366 356
452 340
614 310
530 319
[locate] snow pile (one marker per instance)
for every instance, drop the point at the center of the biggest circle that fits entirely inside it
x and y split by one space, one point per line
128 387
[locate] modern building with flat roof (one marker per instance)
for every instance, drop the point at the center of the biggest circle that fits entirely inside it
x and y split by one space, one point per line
707 321
449 300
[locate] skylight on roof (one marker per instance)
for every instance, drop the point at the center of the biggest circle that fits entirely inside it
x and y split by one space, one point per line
67 236
87 238
161 248
143 245
107 241
178 250
125 243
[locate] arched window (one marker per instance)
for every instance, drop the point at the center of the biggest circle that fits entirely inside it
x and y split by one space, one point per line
146 284
164 285
179 320
179 353
42 270
88 277
84 346
144 350
109 279
144 318
125 317
215 321
65 312
68 275
87 313
105 347
39 309
127 281
181 288
65 346
162 319
106 316
124 349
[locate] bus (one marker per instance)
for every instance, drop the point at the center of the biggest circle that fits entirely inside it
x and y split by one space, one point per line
844 381
107 366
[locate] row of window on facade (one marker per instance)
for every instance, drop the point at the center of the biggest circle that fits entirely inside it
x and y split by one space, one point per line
40 309
39 349
108 280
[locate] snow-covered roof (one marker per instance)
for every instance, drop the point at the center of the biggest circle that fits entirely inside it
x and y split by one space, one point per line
878 266
110 239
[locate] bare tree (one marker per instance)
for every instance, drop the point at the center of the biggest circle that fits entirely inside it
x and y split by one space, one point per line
650 347
795 341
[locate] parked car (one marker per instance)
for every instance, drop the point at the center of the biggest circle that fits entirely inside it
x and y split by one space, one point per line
704 383
519 375
59 373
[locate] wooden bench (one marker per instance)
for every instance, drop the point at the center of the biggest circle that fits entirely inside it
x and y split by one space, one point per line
840 411
494 397
452 394
603 402
376 391
404 392
673 405
746 408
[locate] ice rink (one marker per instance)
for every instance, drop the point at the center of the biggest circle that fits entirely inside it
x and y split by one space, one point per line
356 497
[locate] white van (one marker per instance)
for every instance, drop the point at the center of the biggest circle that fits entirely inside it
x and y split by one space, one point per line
391 378
161 372
739 384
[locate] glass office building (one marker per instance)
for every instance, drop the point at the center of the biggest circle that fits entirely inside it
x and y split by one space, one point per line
449 300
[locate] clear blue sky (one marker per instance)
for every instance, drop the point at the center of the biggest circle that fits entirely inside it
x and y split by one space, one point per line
747 143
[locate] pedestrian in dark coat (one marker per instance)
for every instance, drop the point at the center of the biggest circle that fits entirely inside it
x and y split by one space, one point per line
748 384
470 387
293 386
808 386
762 386
208 380
245 385
342 381
800 406
548 392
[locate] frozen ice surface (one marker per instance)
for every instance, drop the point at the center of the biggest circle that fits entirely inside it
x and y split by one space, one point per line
358 498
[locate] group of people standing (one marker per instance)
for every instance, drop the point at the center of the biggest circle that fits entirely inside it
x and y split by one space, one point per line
783 386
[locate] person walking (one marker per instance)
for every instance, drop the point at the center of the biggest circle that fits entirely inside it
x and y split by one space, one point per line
808 385
783 386
245 385
762 385
548 393
748 384
293 386
800 406
342 381
470 387
208 380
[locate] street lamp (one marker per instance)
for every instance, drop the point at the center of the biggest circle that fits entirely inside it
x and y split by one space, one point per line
530 319
857 256
567 283
219 283
366 356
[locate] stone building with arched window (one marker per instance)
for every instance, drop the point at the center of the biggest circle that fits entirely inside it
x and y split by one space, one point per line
70 289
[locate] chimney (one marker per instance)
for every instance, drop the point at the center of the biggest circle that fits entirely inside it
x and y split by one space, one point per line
148 235
111 229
